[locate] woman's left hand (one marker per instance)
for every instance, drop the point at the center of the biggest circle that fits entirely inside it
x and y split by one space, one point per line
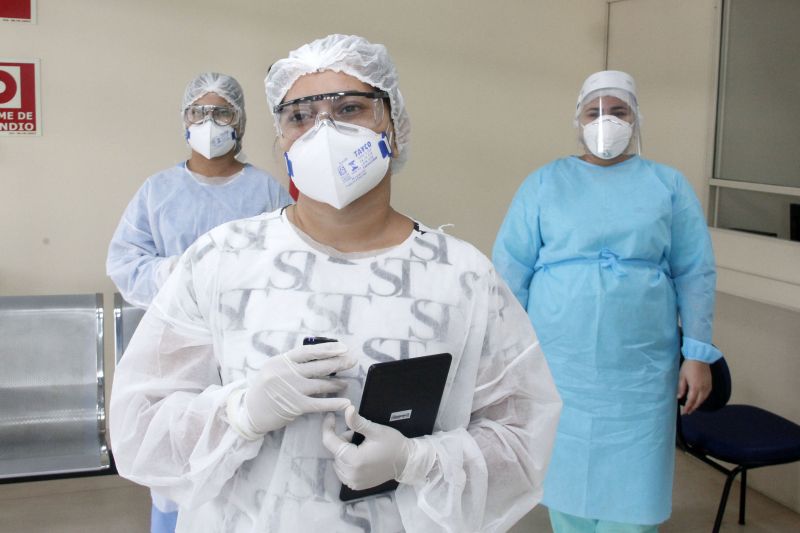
694 382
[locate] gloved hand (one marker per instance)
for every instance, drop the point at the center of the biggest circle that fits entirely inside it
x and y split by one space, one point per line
382 456
285 387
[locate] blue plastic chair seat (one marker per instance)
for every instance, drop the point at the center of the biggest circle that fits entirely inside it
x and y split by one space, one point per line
744 434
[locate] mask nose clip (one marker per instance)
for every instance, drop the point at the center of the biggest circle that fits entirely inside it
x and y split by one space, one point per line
324 117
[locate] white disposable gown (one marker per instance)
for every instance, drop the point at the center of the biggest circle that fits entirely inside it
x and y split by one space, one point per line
251 289
605 260
169 211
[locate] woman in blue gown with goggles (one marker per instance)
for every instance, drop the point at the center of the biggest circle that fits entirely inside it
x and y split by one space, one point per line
608 252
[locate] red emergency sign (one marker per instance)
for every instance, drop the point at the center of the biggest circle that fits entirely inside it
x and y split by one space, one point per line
19 97
18 10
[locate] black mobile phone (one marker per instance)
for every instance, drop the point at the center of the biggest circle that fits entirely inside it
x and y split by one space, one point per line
317 340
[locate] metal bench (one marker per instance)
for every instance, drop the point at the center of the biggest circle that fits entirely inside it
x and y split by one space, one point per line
126 318
52 398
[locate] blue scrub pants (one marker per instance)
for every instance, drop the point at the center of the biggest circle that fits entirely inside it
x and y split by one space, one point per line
161 522
567 523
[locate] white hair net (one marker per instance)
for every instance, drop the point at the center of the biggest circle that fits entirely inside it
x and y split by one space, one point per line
352 55
608 83
223 85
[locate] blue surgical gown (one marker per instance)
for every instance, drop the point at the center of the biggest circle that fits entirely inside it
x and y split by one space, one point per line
605 260
170 210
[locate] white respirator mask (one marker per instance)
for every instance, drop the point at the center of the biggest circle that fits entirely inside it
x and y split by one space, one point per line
210 139
607 136
337 163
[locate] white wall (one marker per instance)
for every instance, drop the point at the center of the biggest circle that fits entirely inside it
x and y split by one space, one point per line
671 47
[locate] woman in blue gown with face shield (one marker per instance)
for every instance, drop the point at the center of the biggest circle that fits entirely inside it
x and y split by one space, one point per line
609 252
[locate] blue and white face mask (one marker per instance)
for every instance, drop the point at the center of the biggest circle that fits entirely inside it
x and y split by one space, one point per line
337 163
211 140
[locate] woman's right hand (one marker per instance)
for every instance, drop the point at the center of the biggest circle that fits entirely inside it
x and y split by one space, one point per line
694 382
289 385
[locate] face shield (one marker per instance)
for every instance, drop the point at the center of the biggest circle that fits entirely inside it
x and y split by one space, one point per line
608 123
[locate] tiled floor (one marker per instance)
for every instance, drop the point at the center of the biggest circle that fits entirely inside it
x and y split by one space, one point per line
103 504
85 505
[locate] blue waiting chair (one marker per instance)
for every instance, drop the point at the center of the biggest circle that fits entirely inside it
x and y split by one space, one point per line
743 435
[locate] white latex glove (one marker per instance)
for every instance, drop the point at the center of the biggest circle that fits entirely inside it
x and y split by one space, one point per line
385 453
285 387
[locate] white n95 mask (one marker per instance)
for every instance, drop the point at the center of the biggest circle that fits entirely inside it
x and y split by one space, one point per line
337 163
607 136
211 140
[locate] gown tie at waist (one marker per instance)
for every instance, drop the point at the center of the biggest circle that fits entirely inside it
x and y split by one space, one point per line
607 259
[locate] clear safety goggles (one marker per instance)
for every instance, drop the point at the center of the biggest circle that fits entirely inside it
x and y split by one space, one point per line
221 115
297 116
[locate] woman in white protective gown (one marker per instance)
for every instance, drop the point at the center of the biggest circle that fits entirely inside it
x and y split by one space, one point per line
219 406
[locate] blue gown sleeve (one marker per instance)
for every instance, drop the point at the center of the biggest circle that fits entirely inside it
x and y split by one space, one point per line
279 197
516 248
133 259
691 261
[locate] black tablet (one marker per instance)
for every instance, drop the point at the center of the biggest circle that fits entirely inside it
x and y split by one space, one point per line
404 394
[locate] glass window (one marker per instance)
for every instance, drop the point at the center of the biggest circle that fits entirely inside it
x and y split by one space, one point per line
757 160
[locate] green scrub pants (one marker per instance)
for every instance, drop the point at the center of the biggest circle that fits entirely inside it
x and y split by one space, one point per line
567 523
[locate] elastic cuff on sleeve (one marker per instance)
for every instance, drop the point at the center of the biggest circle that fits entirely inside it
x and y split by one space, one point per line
164 269
421 457
699 351
238 418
